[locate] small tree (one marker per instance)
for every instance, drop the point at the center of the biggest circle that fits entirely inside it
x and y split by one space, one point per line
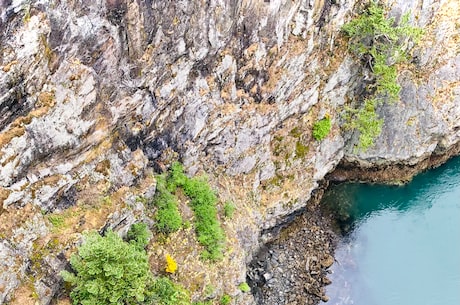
380 44
109 271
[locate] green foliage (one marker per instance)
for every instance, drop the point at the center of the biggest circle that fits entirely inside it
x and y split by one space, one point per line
321 128
225 300
168 293
176 177
386 76
141 199
139 235
209 232
244 287
203 203
380 44
109 271
187 224
367 123
167 217
372 34
229 210
57 221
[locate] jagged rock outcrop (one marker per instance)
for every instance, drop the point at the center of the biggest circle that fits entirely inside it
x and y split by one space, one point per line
93 94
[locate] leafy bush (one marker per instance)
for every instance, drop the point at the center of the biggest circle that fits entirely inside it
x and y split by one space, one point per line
109 271
167 217
203 203
139 235
168 293
209 232
367 123
380 44
321 128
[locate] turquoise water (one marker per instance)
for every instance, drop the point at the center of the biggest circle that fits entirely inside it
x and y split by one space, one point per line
401 245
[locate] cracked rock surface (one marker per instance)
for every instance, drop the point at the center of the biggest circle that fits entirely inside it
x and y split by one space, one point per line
97 96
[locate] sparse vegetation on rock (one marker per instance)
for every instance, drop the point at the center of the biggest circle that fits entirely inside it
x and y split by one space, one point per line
379 43
203 202
225 299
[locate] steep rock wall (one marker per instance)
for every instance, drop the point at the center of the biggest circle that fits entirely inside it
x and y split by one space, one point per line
94 94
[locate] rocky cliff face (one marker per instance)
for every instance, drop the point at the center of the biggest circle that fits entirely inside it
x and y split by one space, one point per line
95 95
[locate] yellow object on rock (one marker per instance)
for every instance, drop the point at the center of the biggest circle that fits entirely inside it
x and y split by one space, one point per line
171 265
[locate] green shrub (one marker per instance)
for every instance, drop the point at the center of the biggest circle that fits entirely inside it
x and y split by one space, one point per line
139 235
368 124
176 177
187 224
167 217
109 271
321 128
203 203
229 209
225 300
379 43
366 121
168 293
244 287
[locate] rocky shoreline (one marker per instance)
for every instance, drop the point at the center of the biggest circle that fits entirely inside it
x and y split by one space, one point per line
292 268
292 265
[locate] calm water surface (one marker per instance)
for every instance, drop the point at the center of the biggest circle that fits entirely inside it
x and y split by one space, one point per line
401 245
